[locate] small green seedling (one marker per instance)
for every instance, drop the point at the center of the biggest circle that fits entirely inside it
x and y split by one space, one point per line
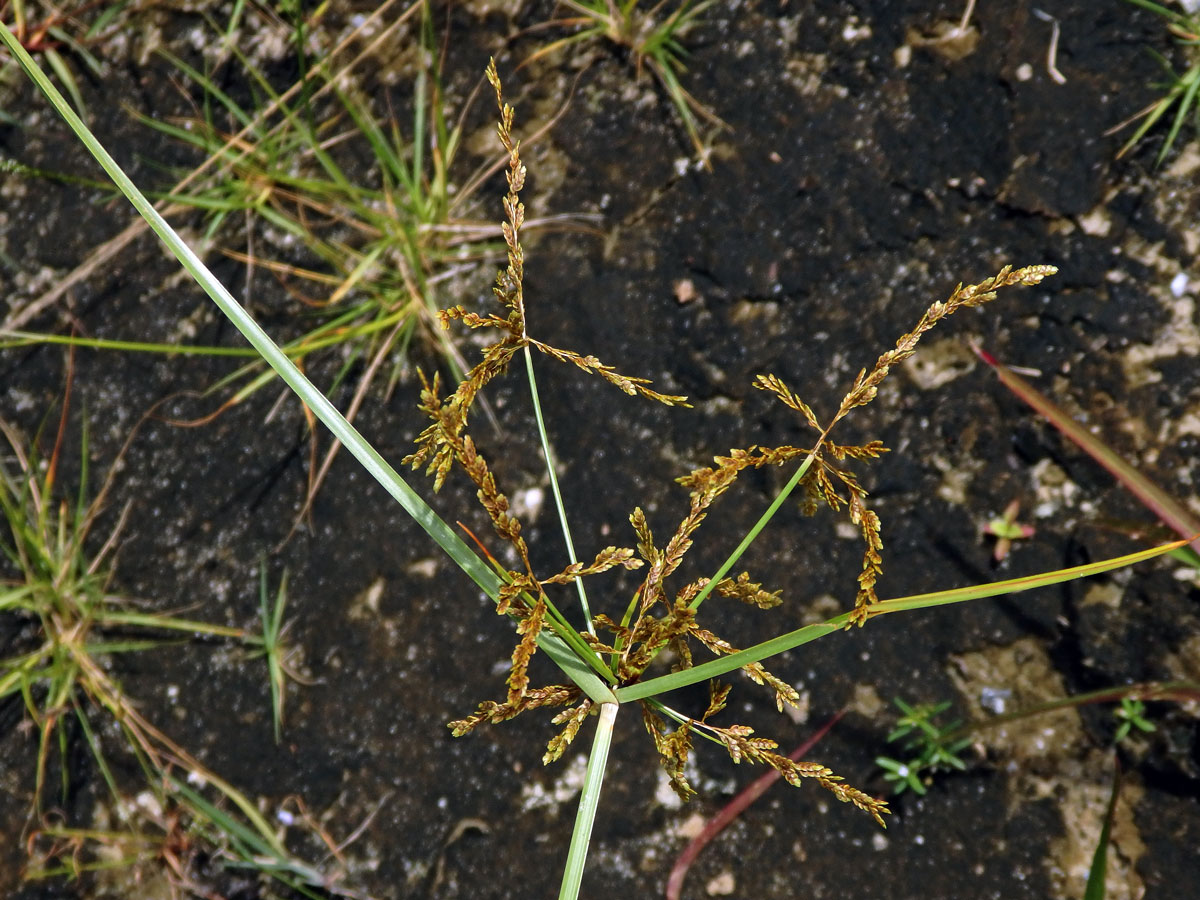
1130 715
273 649
1006 529
930 747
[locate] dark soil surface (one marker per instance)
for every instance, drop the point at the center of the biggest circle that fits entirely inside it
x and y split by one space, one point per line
866 169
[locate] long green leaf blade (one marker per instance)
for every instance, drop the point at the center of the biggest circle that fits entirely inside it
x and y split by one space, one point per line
801 636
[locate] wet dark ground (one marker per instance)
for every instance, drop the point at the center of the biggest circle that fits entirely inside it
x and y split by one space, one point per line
857 182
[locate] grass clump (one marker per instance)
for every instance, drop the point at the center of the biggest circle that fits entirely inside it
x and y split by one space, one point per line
364 217
654 40
64 629
377 252
1180 89
59 34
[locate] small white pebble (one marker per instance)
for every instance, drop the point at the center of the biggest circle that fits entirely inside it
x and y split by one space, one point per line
1179 285
855 31
527 504
721 886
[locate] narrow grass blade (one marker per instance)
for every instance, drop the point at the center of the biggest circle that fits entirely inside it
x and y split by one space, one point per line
63 71
1169 510
368 457
27 339
581 836
1017 585
169 623
1095 889
558 501
253 849
809 633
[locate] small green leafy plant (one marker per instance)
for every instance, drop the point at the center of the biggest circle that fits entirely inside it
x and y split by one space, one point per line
1129 715
929 746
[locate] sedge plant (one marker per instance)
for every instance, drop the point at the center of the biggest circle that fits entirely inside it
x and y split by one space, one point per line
606 660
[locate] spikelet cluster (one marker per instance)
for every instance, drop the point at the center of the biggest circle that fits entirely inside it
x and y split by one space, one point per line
658 617
445 444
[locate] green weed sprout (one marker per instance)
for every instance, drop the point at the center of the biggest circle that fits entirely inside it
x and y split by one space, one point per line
653 42
272 648
1129 715
930 746
604 675
272 645
1181 89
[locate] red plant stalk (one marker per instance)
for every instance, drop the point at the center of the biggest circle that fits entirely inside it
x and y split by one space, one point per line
733 809
1170 511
